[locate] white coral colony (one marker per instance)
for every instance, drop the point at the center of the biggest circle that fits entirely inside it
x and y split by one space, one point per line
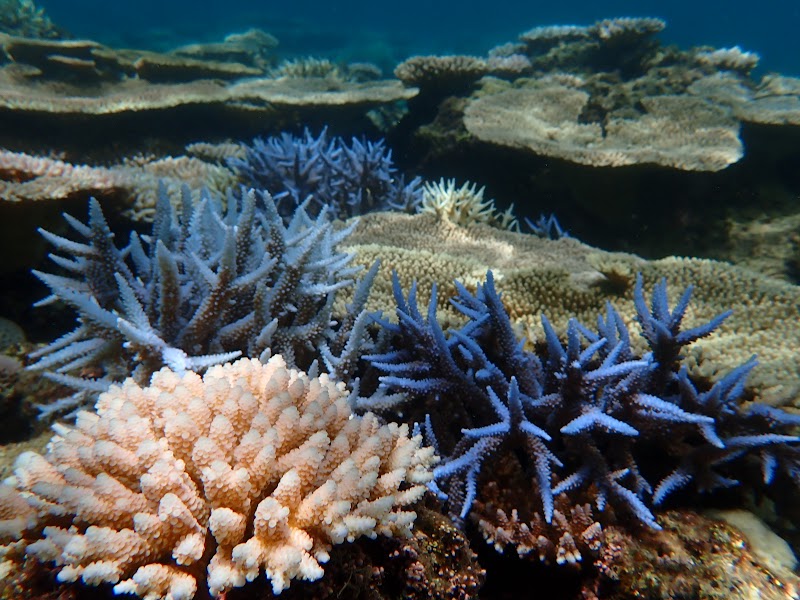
267 460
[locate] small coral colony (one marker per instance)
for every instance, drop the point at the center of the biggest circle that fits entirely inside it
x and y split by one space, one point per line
234 405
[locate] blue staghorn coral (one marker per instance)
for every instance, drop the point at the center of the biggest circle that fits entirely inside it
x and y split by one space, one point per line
585 417
213 281
547 227
345 179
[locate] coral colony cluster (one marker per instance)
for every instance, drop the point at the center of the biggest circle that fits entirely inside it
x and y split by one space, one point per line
176 481
346 179
585 413
241 426
213 281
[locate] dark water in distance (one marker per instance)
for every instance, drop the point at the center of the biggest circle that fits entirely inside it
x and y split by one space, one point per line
391 31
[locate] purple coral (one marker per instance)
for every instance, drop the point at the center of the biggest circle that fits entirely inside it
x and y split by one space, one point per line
347 179
585 415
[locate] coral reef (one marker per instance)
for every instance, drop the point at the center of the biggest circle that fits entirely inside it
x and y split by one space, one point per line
80 87
568 279
344 179
196 482
610 95
209 284
400 420
582 417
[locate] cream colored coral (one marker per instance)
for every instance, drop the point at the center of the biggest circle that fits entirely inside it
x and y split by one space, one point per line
463 205
251 468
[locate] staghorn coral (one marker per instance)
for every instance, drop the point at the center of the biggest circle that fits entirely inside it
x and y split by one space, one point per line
344 179
464 205
209 284
205 482
585 417
566 278
546 227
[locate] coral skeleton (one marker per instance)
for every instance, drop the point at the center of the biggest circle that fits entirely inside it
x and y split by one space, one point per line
210 481
209 284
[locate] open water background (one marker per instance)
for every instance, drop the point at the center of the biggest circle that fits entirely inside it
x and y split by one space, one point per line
387 32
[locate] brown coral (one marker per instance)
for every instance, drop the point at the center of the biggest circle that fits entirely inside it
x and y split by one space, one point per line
546 117
28 178
693 557
448 72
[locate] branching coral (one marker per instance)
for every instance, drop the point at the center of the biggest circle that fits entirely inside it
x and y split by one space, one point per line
464 205
348 179
583 417
209 284
191 482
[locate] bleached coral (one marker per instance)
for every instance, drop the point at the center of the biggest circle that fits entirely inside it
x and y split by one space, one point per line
463 205
252 467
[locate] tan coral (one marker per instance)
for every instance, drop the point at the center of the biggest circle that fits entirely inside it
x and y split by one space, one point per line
72 83
251 468
219 152
24 177
441 71
565 278
610 29
544 117
731 59
774 101
28 178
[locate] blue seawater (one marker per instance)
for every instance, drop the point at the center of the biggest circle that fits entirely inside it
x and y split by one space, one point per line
387 32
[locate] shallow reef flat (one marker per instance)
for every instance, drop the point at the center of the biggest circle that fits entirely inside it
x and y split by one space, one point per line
509 325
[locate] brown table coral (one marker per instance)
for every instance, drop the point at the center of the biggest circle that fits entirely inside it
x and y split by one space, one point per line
546 116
